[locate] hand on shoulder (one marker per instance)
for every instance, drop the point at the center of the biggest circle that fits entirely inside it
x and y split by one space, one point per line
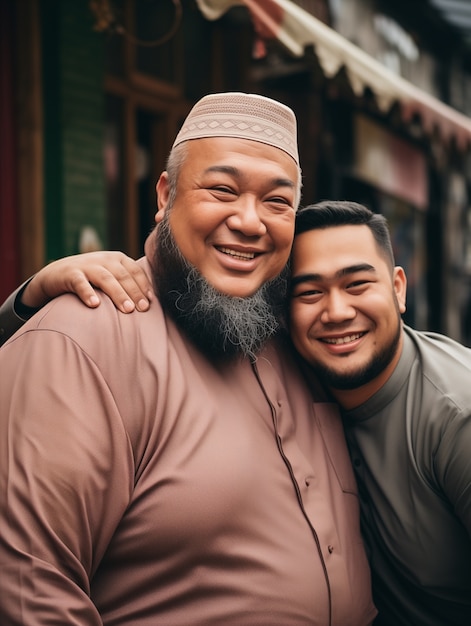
116 274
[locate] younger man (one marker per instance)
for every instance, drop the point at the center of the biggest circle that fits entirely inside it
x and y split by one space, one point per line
406 402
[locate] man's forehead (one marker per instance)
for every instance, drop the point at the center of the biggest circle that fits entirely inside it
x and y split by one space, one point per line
236 172
339 238
238 157
334 252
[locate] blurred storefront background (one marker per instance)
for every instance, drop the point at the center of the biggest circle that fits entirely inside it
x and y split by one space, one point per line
93 92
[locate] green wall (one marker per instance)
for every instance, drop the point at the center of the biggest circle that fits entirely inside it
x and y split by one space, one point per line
73 101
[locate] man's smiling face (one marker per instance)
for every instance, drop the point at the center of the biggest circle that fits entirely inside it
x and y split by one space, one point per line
346 305
233 215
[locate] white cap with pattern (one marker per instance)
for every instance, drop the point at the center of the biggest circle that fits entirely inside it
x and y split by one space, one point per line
244 116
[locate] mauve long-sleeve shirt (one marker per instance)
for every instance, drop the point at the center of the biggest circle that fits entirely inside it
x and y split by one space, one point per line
141 485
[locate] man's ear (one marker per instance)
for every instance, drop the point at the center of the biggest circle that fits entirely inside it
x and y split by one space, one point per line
400 287
162 191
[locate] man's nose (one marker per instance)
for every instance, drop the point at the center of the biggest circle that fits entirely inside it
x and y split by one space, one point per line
246 218
337 308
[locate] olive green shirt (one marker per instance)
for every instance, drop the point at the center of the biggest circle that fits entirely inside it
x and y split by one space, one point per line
411 448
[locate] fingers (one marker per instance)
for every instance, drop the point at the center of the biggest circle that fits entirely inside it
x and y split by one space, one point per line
79 284
116 274
116 283
137 284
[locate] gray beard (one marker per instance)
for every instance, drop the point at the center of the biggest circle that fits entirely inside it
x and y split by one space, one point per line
221 326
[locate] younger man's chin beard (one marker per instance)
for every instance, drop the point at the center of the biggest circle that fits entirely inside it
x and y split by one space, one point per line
377 364
221 326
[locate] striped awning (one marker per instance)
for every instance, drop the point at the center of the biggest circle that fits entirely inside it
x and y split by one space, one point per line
296 29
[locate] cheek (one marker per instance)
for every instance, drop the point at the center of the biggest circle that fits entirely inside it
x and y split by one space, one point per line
378 305
301 341
188 228
281 231
301 319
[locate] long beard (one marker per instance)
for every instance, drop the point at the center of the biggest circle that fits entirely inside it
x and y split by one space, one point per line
221 326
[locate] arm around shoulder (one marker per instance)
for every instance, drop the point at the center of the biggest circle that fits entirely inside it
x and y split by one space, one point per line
117 275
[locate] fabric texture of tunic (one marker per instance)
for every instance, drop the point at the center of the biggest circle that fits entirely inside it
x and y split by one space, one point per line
142 485
411 449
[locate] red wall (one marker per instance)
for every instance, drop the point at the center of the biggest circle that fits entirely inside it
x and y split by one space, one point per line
9 219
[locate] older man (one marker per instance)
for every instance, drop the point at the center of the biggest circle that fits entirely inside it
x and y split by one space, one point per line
172 467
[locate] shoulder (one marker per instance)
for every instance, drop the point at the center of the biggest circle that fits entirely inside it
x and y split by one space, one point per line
439 385
438 342
96 332
94 358
442 360
112 343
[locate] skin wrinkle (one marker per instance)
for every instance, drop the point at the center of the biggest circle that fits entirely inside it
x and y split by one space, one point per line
235 172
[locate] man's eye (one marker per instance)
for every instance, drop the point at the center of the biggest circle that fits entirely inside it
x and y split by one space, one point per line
358 285
222 189
279 200
306 293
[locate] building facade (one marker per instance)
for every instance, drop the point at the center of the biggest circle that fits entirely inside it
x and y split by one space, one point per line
93 93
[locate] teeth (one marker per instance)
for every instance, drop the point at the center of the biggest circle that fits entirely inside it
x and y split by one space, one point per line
341 340
238 255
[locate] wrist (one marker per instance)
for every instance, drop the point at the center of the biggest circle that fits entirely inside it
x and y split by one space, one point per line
25 311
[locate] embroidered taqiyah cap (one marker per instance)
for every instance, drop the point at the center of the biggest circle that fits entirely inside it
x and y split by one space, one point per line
244 116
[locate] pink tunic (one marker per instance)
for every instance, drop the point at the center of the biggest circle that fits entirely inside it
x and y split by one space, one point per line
141 485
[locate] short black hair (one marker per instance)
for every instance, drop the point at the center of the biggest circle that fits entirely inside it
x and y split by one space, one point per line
330 213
